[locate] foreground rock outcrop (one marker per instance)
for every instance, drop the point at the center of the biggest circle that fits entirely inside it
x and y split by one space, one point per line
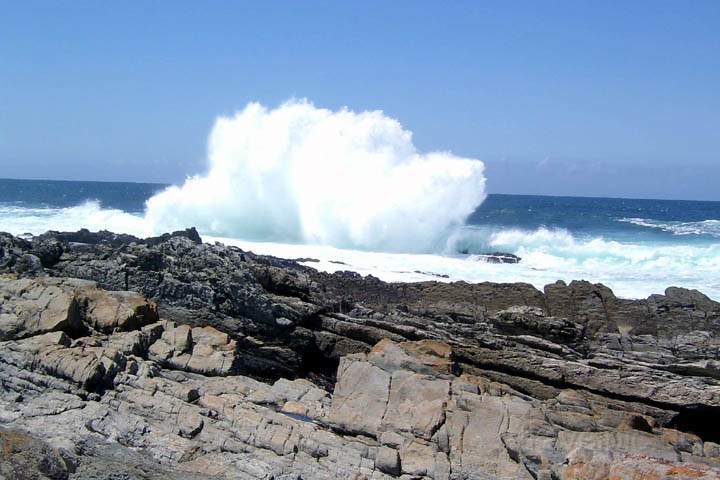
169 358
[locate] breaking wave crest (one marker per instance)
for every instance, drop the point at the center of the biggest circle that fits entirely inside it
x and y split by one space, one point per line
298 173
705 227
90 214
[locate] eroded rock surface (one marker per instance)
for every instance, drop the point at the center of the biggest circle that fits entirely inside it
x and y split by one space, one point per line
168 358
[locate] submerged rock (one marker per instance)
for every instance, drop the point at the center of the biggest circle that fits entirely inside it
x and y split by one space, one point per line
494 257
498 257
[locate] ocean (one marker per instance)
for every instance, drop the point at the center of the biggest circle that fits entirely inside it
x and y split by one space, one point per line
636 247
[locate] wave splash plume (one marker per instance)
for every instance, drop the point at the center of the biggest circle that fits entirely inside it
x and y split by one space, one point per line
298 173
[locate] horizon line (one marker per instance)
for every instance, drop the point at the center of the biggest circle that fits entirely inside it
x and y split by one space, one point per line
598 197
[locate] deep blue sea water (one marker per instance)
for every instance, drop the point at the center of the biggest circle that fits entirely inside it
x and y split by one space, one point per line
635 246
612 218
129 197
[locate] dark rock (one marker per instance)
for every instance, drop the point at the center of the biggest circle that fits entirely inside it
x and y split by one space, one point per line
47 249
92 238
189 233
432 274
11 250
499 257
28 265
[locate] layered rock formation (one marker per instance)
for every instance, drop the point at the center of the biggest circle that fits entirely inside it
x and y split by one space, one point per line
169 358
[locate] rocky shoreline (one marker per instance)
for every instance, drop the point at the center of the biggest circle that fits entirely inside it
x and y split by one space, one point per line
127 358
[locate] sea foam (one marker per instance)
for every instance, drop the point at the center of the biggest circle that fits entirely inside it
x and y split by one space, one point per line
90 214
632 270
298 173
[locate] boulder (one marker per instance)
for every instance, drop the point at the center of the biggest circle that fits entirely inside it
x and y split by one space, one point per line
35 306
203 350
31 307
108 311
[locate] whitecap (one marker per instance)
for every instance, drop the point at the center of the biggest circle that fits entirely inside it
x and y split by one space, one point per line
19 220
710 227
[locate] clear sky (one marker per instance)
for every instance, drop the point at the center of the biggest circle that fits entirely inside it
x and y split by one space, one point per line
616 98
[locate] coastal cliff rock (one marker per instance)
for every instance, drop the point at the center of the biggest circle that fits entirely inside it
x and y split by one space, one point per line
169 358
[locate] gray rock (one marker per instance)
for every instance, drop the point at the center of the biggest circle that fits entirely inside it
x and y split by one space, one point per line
360 398
352 377
388 461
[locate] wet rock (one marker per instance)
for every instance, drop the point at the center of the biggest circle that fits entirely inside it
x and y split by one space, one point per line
498 257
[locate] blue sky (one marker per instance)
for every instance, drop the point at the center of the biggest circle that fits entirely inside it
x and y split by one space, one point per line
567 98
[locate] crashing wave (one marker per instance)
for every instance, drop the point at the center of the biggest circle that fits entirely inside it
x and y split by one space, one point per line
298 173
351 190
633 270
